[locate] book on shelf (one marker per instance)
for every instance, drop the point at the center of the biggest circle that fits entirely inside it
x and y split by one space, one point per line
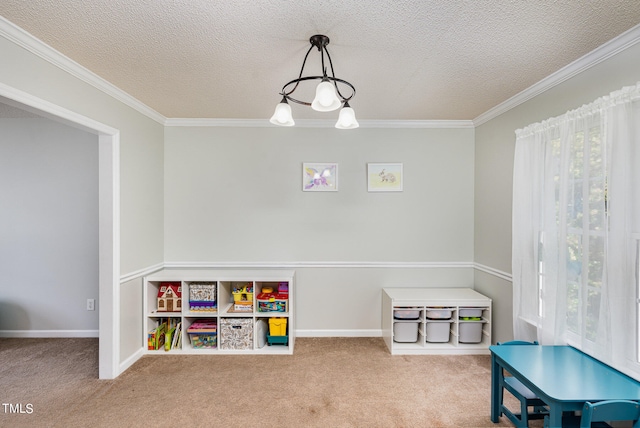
156 336
174 343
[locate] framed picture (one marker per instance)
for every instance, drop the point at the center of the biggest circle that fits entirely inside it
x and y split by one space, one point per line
384 177
319 177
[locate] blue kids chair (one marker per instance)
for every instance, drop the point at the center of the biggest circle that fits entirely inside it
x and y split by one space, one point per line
525 395
611 410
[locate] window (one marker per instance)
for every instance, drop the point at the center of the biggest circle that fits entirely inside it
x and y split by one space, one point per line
576 229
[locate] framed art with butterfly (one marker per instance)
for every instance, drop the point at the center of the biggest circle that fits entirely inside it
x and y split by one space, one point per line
320 177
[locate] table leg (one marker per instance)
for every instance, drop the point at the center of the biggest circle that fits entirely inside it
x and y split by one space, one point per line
555 416
496 372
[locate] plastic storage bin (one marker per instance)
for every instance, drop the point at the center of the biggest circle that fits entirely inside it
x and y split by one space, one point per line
202 334
406 314
405 331
438 313
470 312
268 302
277 326
438 332
470 332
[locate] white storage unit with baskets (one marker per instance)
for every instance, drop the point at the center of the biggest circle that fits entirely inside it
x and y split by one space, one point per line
436 321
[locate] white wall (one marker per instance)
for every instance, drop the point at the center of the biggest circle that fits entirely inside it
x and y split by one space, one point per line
495 144
235 195
48 227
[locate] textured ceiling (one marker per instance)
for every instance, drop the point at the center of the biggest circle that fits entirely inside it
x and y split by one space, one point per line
408 59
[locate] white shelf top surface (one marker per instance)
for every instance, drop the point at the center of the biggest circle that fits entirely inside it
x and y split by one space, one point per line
436 296
221 275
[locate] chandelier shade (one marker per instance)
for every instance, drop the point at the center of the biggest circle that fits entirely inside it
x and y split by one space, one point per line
328 92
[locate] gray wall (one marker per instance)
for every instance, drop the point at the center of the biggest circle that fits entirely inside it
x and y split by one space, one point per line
48 226
235 195
495 144
140 172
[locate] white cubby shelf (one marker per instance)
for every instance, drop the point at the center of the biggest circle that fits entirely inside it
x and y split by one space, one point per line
224 313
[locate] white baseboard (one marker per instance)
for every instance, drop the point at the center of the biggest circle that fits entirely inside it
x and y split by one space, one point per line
339 333
124 365
48 333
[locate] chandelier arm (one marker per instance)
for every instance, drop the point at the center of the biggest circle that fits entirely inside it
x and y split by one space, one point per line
320 42
299 76
333 74
334 80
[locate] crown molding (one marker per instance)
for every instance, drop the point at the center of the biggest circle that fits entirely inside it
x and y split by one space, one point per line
605 51
319 123
22 38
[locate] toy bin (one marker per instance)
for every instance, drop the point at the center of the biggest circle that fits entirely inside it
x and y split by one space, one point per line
236 333
243 293
277 326
470 332
202 297
406 314
438 313
470 313
268 302
438 332
203 334
405 331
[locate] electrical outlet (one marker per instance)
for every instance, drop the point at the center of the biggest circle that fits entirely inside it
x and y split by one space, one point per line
91 304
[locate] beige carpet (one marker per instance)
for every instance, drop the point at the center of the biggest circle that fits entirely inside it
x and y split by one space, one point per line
328 382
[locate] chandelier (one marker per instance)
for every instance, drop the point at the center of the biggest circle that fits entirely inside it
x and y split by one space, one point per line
328 96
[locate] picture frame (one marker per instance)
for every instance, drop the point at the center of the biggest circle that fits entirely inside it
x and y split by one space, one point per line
319 177
384 177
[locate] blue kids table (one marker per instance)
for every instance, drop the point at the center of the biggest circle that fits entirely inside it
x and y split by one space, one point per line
562 376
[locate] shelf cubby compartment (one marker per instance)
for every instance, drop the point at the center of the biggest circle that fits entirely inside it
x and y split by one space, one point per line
237 298
200 298
160 334
272 297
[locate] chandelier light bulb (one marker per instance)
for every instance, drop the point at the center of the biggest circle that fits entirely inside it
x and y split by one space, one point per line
347 118
326 98
282 115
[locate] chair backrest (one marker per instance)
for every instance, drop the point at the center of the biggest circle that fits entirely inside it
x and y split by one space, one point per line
611 410
518 342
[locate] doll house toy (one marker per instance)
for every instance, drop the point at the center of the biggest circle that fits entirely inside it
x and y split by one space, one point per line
170 297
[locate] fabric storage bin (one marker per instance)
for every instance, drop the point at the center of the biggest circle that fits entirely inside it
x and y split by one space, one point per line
438 313
470 332
236 333
405 331
438 331
406 314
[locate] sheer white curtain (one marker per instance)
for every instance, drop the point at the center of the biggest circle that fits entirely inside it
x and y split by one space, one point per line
576 229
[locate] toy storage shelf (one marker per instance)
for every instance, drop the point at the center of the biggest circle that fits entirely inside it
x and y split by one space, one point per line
248 315
436 321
